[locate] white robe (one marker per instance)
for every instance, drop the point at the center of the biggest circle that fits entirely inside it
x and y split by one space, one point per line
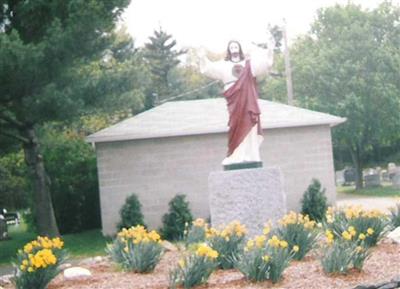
261 61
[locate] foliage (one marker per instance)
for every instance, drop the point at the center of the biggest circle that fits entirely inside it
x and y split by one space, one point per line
195 268
38 263
346 64
174 222
51 56
131 214
298 231
162 59
264 259
228 242
395 216
71 167
373 224
197 232
14 185
136 250
314 202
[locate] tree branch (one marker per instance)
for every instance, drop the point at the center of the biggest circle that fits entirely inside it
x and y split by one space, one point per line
17 137
11 120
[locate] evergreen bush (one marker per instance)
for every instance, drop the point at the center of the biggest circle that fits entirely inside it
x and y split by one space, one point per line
131 213
314 202
174 222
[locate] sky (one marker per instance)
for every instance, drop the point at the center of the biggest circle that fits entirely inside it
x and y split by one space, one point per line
212 23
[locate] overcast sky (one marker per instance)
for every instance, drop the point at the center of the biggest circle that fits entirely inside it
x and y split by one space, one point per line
211 23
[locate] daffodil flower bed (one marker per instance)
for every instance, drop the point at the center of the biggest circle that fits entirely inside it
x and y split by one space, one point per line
38 263
195 268
196 233
372 223
264 259
345 251
227 242
298 230
135 249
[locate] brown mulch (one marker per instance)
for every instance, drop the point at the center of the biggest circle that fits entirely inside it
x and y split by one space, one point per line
383 265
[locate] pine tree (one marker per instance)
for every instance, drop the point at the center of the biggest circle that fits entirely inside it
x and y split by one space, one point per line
43 46
161 58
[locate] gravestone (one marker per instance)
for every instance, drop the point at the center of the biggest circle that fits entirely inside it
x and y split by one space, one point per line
385 176
372 180
391 169
250 196
349 176
339 177
3 228
396 178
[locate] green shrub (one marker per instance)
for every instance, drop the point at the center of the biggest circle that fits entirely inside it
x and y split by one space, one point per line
38 263
195 268
395 216
136 250
228 243
176 220
131 214
314 202
298 231
265 260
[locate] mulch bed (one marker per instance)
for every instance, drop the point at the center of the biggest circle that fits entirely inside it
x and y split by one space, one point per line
383 265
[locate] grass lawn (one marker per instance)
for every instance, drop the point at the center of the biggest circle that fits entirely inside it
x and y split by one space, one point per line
79 245
383 191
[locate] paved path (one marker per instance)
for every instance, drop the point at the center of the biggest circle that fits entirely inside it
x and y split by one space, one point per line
381 203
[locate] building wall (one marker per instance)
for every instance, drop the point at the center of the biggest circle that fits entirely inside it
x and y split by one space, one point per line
158 169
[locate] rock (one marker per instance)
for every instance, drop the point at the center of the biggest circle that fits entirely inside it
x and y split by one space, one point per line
365 287
390 285
168 246
65 266
5 279
396 280
98 259
76 273
394 235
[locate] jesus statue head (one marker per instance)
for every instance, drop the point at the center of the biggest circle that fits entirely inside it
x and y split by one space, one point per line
234 51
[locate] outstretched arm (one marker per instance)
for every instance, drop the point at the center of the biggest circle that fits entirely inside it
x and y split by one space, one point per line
209 68
261 59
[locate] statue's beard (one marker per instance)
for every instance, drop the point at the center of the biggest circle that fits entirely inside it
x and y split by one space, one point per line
235 54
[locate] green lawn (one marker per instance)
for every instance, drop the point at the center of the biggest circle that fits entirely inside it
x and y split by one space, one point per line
19 237
383 191
79 245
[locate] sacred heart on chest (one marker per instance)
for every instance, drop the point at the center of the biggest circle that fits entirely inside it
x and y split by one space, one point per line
237 70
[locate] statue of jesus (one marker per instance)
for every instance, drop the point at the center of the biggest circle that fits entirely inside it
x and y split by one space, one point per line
238 75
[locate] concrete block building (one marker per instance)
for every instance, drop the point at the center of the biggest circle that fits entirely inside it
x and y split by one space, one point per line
172 148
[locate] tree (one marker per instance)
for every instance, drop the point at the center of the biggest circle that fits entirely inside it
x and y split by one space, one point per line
43 47
161 57
349 65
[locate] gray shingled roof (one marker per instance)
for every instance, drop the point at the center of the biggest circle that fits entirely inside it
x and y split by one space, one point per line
192 117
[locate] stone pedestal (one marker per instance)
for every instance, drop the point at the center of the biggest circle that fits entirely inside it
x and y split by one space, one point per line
251 196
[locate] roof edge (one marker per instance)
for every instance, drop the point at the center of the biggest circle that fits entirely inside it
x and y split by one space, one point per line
126 137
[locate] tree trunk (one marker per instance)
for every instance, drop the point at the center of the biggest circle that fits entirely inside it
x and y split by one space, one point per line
355 156
46 221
